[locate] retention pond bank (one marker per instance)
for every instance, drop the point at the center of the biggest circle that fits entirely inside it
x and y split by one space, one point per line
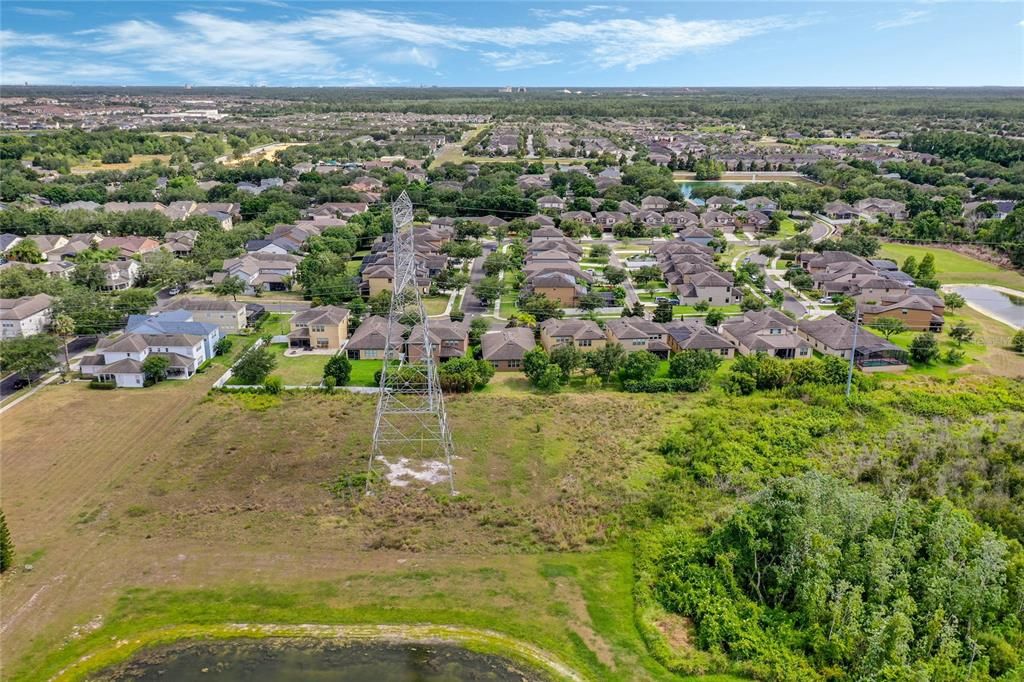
309 660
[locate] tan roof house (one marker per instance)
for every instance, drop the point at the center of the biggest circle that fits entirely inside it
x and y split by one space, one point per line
584 334
321 328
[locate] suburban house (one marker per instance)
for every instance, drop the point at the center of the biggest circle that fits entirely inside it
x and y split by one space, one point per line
552 202
448 339
695 335
25 316
584 334
768 331
833 335
761 203
558 286
129 246
717 203
118 359
919 313
718 220
229 316
655 203
370 338
505 349
682 219
176 322
181 242
696 235
263 271
120 274
872 207
608 219
636 334
756 220
321 328
839 210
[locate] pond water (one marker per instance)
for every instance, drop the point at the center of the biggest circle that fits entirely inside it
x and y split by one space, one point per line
998 304
276 660
687 187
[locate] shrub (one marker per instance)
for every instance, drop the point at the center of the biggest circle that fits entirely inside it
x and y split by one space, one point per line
462 375
273 385
338 368
924 348
639 366
1017 343
223 346
693 369
329 384
102 385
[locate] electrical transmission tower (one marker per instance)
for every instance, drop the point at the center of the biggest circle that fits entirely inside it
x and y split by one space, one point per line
411 440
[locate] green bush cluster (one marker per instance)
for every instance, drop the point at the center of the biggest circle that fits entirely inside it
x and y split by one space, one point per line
814 579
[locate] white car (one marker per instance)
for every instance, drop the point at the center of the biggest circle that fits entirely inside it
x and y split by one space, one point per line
825 299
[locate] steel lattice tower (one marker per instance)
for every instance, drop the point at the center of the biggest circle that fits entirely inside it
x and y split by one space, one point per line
411 439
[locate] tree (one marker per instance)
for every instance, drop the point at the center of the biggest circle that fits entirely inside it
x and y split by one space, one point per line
6 545
254 365
1017 343
223 346
924 348
663 312
28 356
926 272
462 375
232 286
64 327
954 301
567 358
714 317
751 302
961 333
889 326
89 275
606 360
155 367
693 369
550 380
847 309
639 366
910 266
591 301
541 307
489 289
25 251
535 363
614 275
339 368
135 301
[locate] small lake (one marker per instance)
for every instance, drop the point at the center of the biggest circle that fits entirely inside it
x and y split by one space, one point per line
688 186
998 304
277 660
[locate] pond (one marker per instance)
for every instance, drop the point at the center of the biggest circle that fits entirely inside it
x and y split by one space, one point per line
687 187
291 660
994 303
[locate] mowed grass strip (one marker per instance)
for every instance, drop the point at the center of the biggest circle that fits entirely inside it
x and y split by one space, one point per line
956 268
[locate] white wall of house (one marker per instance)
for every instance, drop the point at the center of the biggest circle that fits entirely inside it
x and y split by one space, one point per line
29 326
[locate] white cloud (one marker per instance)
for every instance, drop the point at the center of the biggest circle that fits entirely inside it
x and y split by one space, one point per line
318 46
46 72
575 12
508 61
10 40
43 12
907 18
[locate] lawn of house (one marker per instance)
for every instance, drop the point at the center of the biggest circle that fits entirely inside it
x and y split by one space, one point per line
363 372
435 305
955 268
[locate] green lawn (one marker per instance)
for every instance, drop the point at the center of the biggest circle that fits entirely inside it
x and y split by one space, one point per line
363 372
955 268
435 305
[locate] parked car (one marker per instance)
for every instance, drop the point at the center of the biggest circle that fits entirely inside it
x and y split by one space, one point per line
674 300
660 299
174 291
825 299
19 384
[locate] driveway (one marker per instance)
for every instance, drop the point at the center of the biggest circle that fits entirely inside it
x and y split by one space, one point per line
471 305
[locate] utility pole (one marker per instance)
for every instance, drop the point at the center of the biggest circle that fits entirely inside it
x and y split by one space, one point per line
853 349
411 439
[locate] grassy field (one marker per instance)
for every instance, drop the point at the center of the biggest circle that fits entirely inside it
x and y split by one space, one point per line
955 268
435 305
219 513
136 161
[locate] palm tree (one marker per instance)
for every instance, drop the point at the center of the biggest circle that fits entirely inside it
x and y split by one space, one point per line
64 326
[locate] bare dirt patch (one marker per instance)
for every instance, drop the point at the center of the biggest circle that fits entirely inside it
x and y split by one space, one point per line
677 631
570 594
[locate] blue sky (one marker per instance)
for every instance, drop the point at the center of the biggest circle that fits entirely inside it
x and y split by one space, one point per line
587 44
